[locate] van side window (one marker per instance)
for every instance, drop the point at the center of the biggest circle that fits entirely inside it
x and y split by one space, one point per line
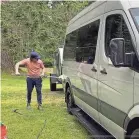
117 28
87 41
70 46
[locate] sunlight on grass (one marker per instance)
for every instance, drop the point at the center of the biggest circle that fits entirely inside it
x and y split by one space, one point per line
59 124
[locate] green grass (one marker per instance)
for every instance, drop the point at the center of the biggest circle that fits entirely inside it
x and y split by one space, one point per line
60 125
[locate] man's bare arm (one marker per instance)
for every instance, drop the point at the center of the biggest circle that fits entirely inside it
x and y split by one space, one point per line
17 68
43 72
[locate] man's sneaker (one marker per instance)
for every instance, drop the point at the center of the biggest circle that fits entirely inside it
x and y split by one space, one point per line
40 107
28 106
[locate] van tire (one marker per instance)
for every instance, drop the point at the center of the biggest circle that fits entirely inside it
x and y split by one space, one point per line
53 86
135 134
69 100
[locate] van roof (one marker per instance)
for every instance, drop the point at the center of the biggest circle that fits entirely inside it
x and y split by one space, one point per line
98 8
86 10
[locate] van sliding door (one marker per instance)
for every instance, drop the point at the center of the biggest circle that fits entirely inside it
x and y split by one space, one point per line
87 61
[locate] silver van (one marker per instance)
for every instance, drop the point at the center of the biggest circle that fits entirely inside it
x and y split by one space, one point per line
101 65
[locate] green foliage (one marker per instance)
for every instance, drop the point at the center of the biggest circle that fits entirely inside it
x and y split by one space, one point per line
28 25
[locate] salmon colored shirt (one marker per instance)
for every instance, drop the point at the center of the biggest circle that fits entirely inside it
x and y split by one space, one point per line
34 69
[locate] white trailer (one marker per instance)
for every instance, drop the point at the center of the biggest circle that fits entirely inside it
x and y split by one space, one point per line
57 69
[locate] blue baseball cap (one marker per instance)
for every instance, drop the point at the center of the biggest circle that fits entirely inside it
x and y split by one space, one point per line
34 55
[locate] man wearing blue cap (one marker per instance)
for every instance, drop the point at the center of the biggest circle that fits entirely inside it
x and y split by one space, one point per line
35 70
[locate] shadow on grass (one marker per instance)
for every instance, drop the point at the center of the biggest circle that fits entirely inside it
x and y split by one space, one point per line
59 89
48 91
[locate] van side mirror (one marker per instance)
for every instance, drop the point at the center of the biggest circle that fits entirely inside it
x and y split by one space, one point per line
117 53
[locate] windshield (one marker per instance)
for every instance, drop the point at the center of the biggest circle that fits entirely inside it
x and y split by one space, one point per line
135 14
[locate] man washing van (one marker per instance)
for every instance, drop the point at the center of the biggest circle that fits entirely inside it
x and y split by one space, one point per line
35 70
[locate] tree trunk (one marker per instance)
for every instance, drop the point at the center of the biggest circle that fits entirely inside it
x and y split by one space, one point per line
7 64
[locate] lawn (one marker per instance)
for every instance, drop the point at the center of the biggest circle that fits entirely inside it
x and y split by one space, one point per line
59 124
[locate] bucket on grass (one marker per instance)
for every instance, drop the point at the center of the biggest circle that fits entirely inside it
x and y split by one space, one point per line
3 131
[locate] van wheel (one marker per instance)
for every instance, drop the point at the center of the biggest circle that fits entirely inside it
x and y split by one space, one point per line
135 134
69 101
53 86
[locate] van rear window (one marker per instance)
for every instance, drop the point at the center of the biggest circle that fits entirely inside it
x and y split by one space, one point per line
80 45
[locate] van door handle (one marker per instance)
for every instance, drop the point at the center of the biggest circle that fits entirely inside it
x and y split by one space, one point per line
103 71
94 69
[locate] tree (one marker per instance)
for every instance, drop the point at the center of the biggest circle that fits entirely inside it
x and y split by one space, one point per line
28 25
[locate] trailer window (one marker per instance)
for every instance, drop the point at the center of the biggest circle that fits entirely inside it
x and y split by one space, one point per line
117 28
87 41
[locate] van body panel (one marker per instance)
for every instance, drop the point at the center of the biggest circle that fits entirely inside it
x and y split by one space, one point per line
133 3
70 70
88 108
137 41
136 89
86 10
78 101
116 5
134 112
84 92
119 131
87 17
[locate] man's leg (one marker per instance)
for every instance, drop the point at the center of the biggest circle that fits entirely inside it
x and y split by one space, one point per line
30 86
38 85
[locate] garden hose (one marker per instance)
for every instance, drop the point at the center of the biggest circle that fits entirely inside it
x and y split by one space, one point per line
40 132
16 111
45 76
19 113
